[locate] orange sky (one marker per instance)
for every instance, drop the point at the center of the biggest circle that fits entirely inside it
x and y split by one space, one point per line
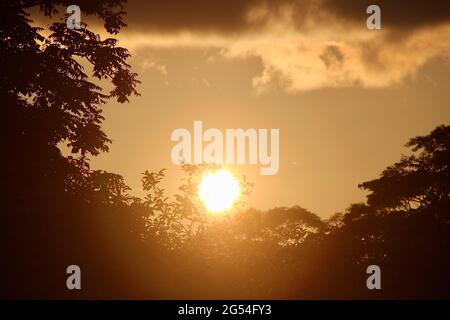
346 99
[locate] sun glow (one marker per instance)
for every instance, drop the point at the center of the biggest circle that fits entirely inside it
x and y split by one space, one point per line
218 190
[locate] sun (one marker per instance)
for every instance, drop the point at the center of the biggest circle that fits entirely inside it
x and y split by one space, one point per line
218 190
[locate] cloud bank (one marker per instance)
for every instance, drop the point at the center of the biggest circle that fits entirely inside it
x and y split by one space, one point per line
302 45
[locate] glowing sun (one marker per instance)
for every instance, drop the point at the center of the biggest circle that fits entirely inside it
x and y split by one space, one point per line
218 190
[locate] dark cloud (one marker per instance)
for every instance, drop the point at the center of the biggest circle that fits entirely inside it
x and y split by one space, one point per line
192 15
230 15
332 56
395 14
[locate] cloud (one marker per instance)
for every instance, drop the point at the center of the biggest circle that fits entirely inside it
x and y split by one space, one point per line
302 62
242 15
160 68
302 44
332 57
398 15
192 15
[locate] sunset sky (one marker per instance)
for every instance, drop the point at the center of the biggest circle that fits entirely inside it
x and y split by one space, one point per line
345 98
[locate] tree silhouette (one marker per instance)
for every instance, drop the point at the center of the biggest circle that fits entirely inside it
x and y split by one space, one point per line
418 182
48 99
404 227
